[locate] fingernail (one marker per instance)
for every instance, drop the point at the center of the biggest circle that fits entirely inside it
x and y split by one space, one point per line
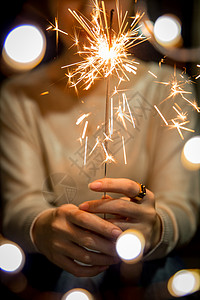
96 185
84 206
116 233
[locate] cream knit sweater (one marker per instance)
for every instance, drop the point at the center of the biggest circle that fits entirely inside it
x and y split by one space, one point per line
43 161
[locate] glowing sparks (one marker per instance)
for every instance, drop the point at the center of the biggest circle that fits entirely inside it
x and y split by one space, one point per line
180 126
180 114
55 27
105 52
177 88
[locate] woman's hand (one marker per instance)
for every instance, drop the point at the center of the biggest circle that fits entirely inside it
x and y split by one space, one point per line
129 212
63 234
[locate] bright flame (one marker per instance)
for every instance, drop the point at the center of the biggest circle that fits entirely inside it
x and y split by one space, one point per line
77 294
130 246
106 52
24 47
12 257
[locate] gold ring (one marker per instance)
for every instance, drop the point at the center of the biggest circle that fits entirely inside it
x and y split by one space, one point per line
141 194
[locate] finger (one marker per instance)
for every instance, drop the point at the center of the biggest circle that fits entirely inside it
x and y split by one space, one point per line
92 222
119 185
77 270
83 255
122 207
90 240
124 225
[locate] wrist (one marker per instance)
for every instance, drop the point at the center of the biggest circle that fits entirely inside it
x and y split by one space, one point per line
33 228
157 232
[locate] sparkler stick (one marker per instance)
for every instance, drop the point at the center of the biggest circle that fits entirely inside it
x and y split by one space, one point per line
108 93
109 33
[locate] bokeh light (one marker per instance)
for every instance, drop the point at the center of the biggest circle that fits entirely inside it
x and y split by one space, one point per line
12 257
24 47
191 153
167 30
130 245
184 282
77 294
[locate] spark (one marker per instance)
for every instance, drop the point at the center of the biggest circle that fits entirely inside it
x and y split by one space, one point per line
180 115
82 117
84 130
121 112
162 61
55 27
124 151
85 155
97 143
180 126
108 157
44 93
152 74
198 76
161 115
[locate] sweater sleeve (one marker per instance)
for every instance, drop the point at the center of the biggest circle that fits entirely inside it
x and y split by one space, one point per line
22 174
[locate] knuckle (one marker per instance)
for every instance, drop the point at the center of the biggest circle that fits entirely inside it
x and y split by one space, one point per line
82 217
88 242
129 189
87 259
122 205
152 214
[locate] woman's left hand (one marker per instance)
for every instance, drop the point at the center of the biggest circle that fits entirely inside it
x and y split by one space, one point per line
129 212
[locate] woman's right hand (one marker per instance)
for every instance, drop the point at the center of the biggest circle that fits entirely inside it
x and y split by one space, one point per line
63 234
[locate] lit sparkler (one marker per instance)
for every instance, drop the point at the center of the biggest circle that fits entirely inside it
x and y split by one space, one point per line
105 54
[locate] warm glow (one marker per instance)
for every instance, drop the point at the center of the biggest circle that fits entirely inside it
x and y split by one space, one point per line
11 257
167 30
77 294
184 282
130 245
192 150
24 47
191 154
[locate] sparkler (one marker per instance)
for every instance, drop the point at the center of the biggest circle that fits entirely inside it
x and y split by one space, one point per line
105 54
